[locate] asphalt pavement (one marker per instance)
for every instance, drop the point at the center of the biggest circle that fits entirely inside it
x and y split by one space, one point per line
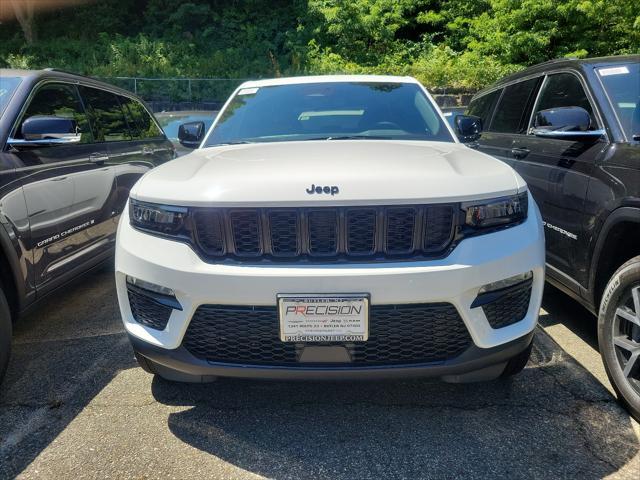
74 404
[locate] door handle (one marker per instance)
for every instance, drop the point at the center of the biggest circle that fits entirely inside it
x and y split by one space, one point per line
147 150
566 162
98 158
520 153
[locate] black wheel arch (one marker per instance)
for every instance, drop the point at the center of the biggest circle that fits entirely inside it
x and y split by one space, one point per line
611 238
11 275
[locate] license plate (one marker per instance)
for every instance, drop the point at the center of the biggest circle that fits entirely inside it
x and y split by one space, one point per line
324 318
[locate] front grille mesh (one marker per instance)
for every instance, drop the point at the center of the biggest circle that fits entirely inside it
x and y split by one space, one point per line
146 311
510 308
361 231
325 233
398 334
284 232
245 225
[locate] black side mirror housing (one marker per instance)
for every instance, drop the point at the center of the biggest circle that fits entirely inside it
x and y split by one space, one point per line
49 127
190 134
469 128
565 123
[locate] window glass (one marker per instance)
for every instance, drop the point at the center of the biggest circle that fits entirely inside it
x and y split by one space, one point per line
512 113
622 83
59 100
107 116
564 90
483 106
8 86
140 122
329 110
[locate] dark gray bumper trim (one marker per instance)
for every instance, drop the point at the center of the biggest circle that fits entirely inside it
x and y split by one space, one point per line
473 359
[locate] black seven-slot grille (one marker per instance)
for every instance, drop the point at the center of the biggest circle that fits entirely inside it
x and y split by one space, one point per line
398 334
326 232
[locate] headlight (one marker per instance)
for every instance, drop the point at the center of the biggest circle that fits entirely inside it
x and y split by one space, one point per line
496 212
166 220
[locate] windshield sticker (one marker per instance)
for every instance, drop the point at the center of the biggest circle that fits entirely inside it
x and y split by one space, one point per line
248 91
605 72
330 113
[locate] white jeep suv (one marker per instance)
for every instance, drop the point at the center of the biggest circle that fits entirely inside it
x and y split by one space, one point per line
330 227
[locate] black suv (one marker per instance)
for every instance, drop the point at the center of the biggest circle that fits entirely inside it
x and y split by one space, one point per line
571 128
70 150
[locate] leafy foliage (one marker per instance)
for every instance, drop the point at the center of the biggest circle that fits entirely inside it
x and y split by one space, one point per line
460 44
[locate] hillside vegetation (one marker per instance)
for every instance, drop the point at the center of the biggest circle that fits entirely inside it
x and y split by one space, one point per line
463 44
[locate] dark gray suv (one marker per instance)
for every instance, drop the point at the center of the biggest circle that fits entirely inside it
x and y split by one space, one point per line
571 129
70 150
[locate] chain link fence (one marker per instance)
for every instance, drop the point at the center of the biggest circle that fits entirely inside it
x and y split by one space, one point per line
171 94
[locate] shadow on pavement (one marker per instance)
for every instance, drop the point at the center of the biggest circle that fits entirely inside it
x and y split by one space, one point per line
571 314
553 420
64 354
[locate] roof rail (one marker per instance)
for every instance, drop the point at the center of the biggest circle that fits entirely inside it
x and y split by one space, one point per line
60 70
554 60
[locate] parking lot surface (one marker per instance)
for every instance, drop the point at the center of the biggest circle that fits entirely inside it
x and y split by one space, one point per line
75 405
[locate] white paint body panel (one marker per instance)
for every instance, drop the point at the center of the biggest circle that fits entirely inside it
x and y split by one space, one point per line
366 171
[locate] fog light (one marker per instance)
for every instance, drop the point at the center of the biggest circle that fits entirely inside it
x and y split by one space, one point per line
507 282
152 287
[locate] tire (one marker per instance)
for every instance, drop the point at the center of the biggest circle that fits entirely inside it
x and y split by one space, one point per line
516 364
5 334
619 334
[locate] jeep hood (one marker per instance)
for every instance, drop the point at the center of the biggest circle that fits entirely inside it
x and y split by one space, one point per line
364 171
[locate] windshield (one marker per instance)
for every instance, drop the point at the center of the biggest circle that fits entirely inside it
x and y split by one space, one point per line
622 83
332 110
8 85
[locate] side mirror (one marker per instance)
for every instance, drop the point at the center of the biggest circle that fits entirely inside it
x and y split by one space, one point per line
43 130
469 128
191 134
565 123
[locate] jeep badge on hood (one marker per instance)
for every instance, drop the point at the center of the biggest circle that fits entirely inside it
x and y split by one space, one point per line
333 189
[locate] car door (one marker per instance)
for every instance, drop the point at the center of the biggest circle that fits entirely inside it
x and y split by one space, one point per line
558 172
147 149
134 140
60 221
509 119
491 143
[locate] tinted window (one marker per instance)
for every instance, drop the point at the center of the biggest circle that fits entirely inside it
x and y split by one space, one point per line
106 114
512 113
563 90
140 122
329 110
59 100
622 83
483 106
8 85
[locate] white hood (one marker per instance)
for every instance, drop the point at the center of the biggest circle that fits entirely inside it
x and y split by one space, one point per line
365 172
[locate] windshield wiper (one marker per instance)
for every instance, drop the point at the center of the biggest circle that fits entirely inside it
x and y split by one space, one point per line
352 137
236 142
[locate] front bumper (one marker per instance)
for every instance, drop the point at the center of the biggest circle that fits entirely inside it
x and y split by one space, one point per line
455 279
475 364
